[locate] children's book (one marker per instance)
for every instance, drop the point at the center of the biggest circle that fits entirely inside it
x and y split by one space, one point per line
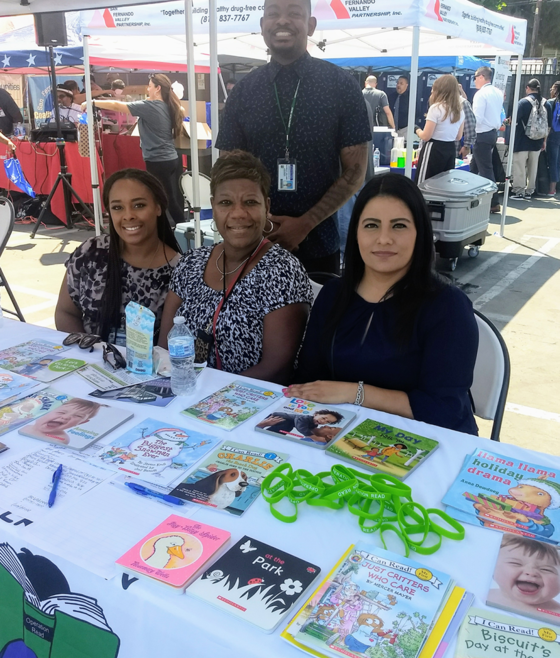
76 424
156 452
49 367
487 634
526 579
232 405
34 406
230 478
447 625
174 552
256 582
507 494
26 353
382 448
372 603
14 387
156 392
312 423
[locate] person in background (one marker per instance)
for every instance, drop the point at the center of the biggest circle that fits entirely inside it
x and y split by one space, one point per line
444 126
325 141
399 106
465 146
526 150
245 300
488 103
379 103
553 141
133 263
9 113
68 110
160 121
390 334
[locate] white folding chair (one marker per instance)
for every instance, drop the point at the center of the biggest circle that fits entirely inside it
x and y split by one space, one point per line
7 219
184 232
491 375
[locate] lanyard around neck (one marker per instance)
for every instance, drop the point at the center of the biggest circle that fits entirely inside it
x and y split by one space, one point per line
287 127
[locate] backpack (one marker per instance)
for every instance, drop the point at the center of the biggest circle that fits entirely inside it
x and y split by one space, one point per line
537 125
556 117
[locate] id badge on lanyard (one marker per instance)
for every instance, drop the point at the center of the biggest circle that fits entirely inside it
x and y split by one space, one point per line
287 167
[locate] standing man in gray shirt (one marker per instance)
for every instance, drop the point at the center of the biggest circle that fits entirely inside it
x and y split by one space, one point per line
379 103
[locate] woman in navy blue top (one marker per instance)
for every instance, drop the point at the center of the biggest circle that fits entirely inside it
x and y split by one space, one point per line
390 334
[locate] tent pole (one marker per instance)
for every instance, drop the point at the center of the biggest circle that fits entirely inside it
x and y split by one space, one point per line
213 22
413 89
511 143
191 80
91 141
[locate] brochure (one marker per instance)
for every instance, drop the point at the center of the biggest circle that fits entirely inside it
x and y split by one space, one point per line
155 392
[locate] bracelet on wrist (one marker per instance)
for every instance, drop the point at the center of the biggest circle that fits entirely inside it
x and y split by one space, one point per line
360 395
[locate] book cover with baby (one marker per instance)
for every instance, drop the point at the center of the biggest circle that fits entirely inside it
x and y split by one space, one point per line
232 405
487 634
374 603
526 579
230 478
383 448
312 423
507 494
76 424
175 551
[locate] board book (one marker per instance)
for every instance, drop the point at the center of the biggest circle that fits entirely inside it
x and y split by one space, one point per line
230 478
372 600
14 387
507 494
76 424
312 423
30 408
31 351
156 452
487 634
232 405
49 367
383 448
174 552
256 582
526 579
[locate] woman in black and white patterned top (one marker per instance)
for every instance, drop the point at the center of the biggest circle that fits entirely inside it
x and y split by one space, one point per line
260 325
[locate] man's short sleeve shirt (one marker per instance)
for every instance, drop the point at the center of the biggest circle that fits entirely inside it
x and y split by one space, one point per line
329 115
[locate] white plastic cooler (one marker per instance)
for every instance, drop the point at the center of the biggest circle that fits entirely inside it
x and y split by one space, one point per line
459 206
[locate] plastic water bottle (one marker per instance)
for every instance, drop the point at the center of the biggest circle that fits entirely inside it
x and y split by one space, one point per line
376 156
180 343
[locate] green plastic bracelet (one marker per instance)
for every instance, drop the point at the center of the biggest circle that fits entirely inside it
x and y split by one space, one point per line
284 517
388 527
456 536
359 510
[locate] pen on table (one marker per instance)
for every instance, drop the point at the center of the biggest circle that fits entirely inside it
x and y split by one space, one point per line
142 491
55 480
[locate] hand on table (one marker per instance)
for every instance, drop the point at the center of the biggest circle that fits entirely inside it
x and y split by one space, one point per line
289 232
325 392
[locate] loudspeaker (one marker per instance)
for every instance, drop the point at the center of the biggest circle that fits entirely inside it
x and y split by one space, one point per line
50 29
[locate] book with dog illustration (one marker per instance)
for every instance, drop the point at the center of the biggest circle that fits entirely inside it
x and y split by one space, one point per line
77 423
373 600
507 494
312 423
256 582
383 448
18 414
174 552
232 405
230 478
156 452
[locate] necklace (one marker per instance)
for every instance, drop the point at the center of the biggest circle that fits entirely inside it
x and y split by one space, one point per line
222 254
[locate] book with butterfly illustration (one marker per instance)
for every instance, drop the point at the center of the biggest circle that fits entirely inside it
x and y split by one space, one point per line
256 582
174 552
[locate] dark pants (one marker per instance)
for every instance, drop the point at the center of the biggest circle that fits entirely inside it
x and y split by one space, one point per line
330 263
435 158
168 173
482 158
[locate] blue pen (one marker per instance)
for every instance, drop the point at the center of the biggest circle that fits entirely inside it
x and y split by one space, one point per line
142 491
55 480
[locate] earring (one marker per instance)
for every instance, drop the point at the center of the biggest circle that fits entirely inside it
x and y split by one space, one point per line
213 226
271 226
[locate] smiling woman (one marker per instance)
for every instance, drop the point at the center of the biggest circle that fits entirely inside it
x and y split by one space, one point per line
133 263
245 300
390 334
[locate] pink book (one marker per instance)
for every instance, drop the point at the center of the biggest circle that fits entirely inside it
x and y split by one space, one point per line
175 551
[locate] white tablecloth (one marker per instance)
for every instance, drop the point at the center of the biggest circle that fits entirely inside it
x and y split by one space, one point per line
149 620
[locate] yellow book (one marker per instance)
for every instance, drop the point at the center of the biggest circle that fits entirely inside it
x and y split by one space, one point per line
438 631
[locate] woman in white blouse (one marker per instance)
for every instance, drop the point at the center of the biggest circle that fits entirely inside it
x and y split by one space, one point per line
444 126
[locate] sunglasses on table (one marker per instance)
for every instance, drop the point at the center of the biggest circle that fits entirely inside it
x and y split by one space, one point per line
111 354
113 357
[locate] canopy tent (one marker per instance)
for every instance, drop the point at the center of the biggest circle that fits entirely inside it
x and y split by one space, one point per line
443 64
17 7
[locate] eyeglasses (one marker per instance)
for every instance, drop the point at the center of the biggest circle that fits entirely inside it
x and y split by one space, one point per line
84 341
110 351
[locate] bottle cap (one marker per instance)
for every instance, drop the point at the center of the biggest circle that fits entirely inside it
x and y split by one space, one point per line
178 319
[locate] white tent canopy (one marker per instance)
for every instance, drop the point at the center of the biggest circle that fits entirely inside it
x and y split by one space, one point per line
16 7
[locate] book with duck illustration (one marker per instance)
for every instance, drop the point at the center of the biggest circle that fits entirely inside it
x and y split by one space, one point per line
174 552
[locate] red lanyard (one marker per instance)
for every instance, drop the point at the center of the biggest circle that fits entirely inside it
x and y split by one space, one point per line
226 296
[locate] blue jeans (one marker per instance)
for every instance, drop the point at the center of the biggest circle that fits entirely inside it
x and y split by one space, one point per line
553 156
344 215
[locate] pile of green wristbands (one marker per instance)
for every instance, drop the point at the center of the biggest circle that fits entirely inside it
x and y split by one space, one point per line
394 510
